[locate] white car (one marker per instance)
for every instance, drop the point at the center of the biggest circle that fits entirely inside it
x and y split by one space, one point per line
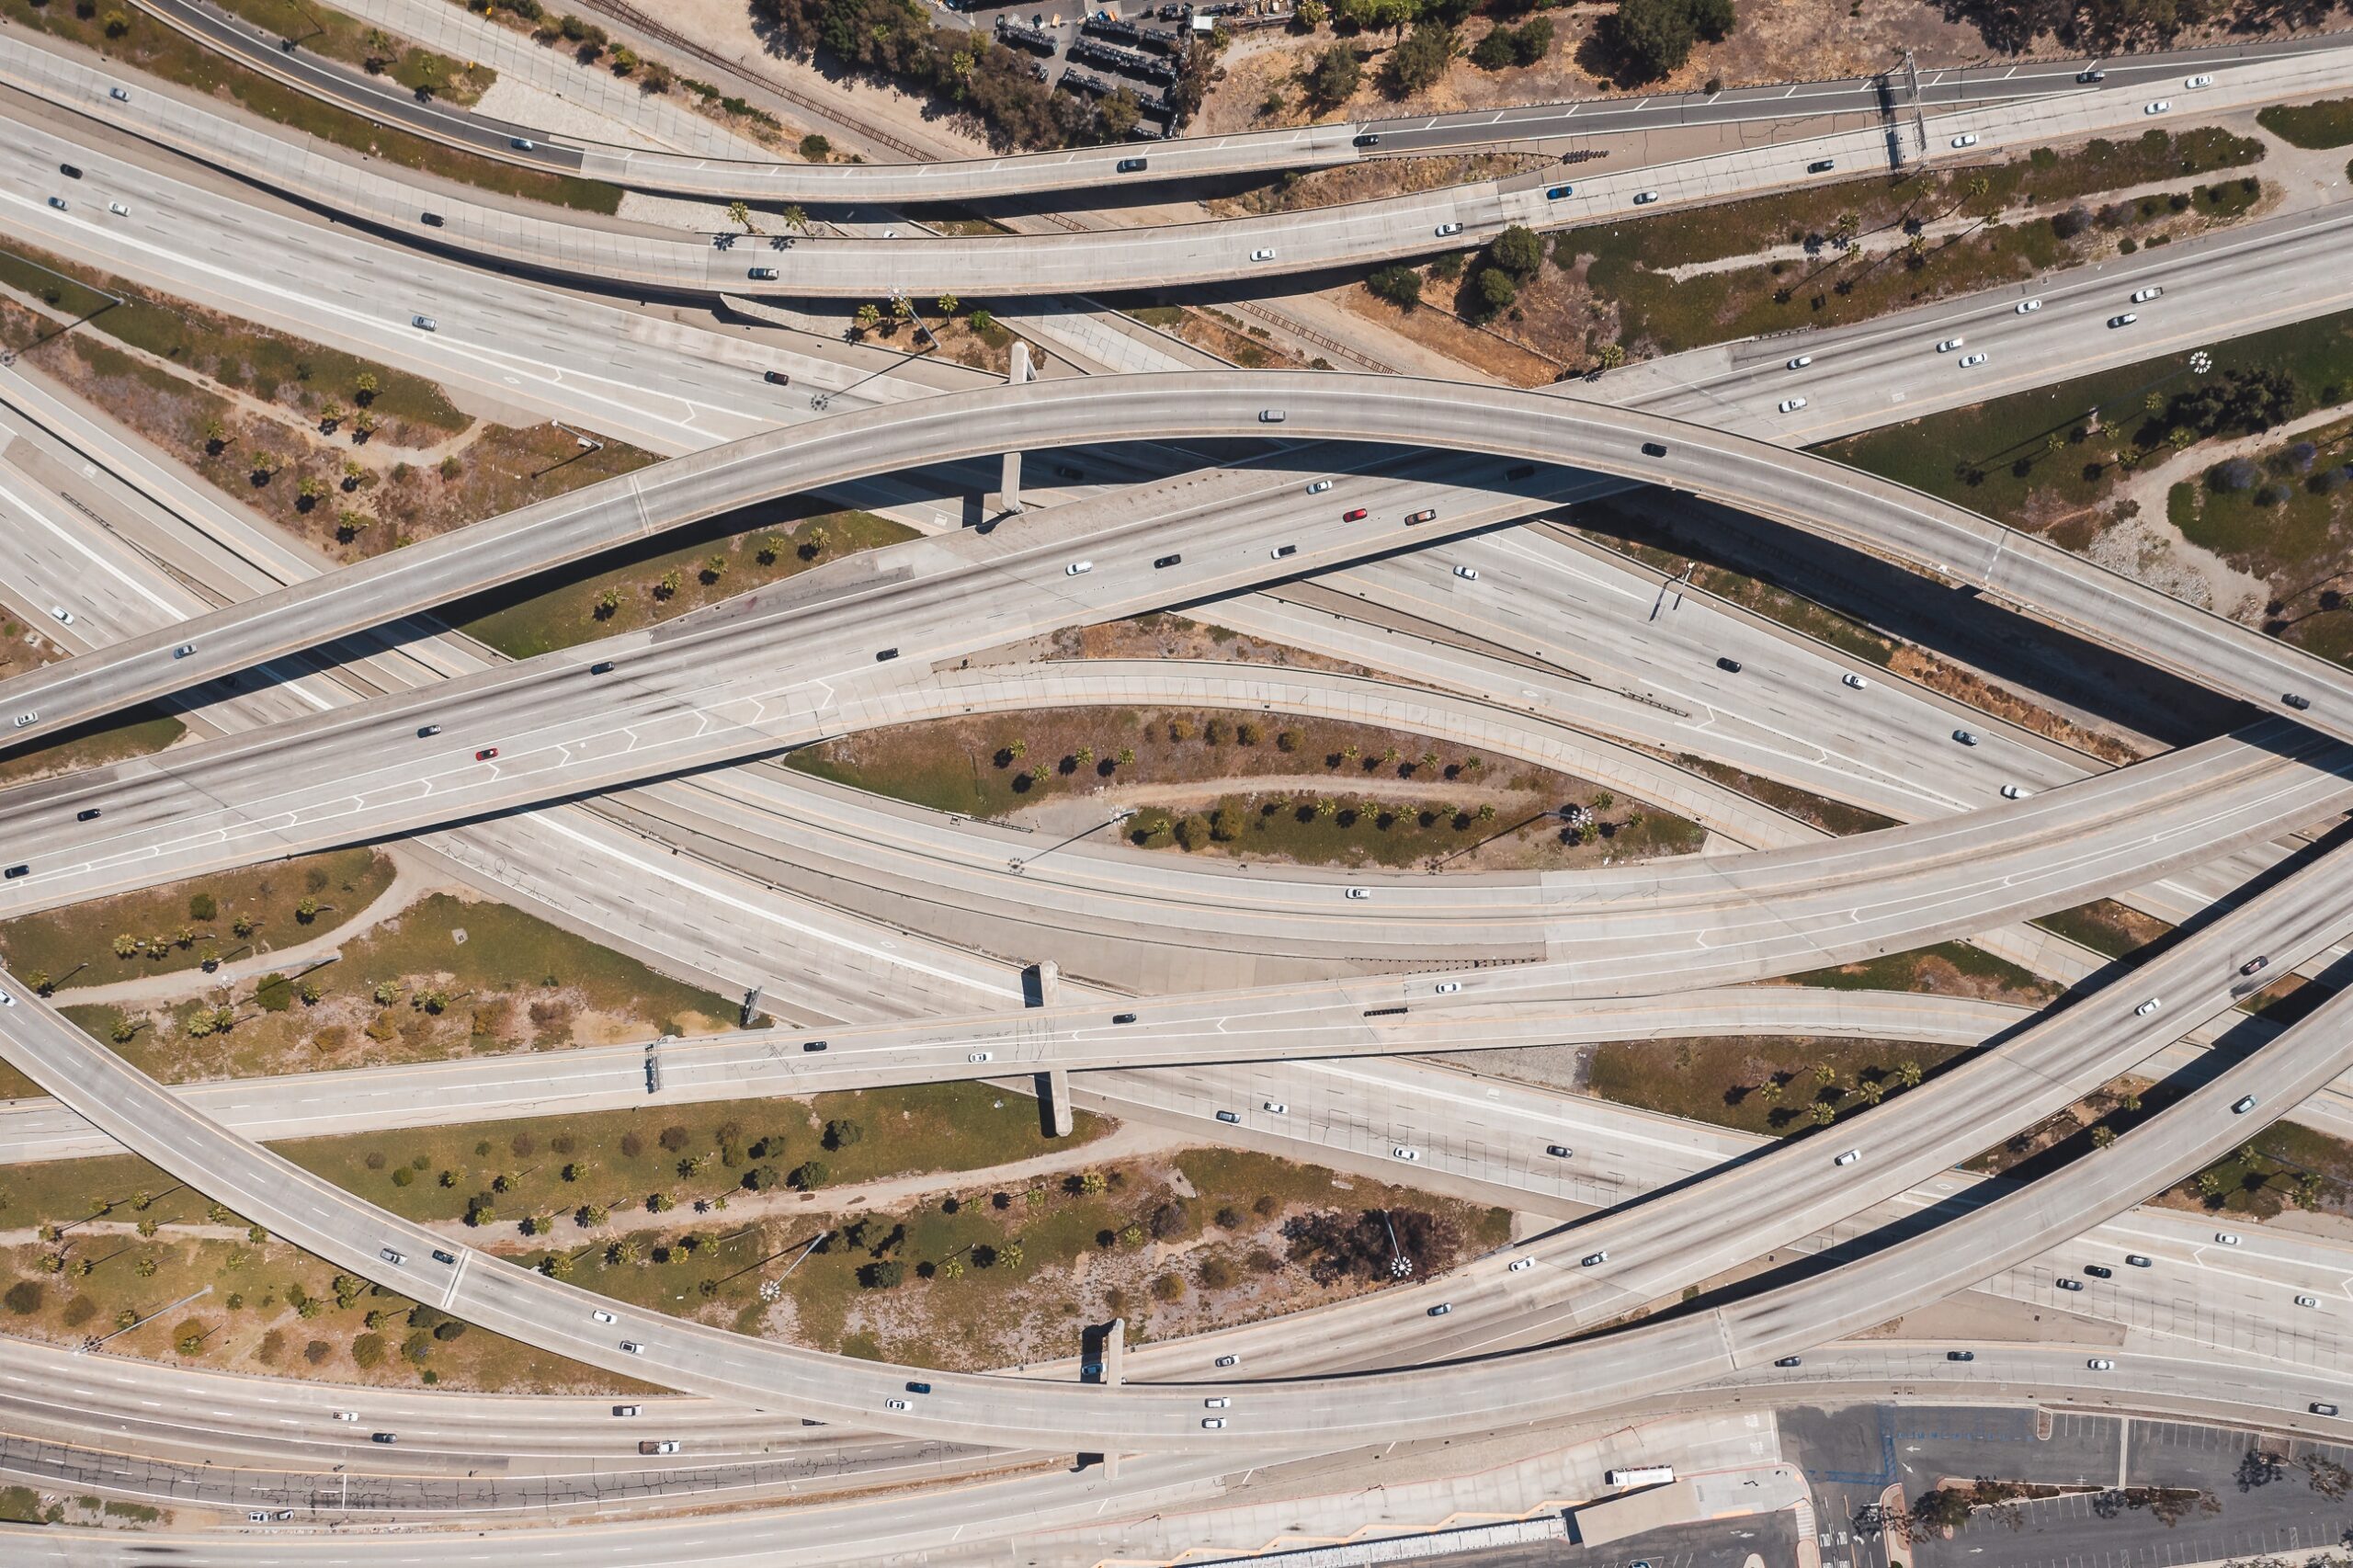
603 1317
1319 486
7 1000
2226 1238
118 209
1265 253
2100 1364
1791 405
1275 1107
895 1404
2200 81
2307 1300
1967 140
1970 361
1218 1402
622 1412
119 95
2028 307
1408 1155
2143 296
1645 197
632 1348
1446 229
1359 893
1965 737
1226 1361
1848 1158
2246 1103
1851 680
1468 573
1213 1423
424 323
1078 569
1800 362
2147 1007
1519 1265
1440 1310
2015 791
1447 988
981 1056
2127 319
61 613
1948 345
391 1255
2158 108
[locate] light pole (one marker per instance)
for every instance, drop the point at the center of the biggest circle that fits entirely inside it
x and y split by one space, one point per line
1112 820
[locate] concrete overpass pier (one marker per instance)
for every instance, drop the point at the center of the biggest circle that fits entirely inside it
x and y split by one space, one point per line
1053 1084
1009 487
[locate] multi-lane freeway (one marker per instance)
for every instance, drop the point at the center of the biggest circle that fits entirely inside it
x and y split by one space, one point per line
432 736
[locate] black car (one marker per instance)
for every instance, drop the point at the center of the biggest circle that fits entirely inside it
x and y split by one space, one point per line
2066 1284
1791 1361
433 220
886 654
1961 1354
449 1258
1558 1151
2296 700
777 378
429 730
1166 559
1123 1018
2099 1271
15 871
1130 165
1653 449
384 1437
807 1045
1731 666
601 667
69 171
90 815
918 1388
1368 139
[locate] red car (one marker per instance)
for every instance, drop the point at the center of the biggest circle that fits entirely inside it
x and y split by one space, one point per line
485 753
1354 516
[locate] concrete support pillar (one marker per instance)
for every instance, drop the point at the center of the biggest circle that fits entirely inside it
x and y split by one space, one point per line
1009 487
1049 982
1058 1100
1115 1351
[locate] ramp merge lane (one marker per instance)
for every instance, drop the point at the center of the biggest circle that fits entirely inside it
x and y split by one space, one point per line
1802 490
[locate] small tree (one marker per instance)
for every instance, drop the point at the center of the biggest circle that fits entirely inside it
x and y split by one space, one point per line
1336 76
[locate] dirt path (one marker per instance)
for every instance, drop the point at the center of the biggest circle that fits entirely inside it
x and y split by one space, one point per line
2146 547
410 882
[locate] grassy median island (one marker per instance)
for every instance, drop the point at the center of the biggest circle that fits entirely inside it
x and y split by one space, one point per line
2284 513
1004 1274
444 977
2328 122
1828 255
273 1308
145 42
354 457
180 926
1311 791
2036 460
1001 1271
1769 1084
1950 969
619 1169
667 575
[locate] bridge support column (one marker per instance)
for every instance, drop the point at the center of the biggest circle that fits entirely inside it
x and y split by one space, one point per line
1009 487
1115 1350
1053 1084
